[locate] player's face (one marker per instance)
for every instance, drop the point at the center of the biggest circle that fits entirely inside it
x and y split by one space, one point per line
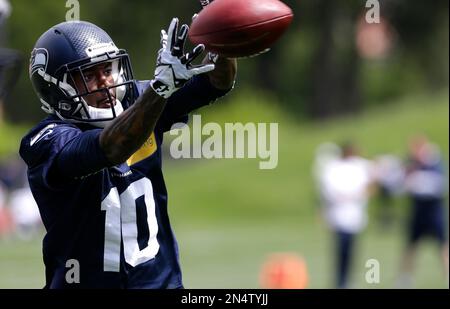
97 77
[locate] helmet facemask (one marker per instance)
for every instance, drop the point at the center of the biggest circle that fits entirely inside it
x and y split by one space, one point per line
79 103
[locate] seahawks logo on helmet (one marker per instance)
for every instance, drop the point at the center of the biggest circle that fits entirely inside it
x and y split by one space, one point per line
39 59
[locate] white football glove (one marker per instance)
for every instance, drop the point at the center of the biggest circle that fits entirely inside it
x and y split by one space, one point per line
173 67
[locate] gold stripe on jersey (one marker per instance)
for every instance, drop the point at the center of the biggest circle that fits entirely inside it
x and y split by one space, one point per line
144 152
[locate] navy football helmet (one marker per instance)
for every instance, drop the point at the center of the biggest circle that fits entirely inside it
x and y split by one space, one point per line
65 52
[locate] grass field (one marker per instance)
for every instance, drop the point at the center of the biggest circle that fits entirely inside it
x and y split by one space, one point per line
228 215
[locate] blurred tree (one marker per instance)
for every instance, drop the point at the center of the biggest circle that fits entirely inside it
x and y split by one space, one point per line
423 31
336 64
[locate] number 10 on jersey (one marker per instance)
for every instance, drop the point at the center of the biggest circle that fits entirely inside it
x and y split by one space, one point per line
130 216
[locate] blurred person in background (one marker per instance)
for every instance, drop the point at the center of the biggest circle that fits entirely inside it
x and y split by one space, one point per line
10 60
425 184
13 173
25 214
326 153
20 214
5 11
6 223
14 184
389 174
345 186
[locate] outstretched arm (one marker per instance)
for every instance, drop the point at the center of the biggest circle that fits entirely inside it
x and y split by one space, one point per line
224 74
130 130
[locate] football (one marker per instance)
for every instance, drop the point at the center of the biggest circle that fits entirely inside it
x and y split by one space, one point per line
240 28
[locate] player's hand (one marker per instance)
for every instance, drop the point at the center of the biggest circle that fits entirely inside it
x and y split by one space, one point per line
173 67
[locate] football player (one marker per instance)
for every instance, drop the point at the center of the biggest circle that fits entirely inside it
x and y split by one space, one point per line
94 165
425 184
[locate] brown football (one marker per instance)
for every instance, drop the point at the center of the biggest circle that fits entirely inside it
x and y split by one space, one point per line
240 28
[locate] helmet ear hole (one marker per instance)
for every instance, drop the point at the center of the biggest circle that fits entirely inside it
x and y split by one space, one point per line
65 106
67 109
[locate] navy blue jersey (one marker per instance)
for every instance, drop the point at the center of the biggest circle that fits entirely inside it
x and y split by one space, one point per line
426 188
111 220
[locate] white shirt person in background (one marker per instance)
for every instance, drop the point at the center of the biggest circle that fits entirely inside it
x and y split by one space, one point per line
345 184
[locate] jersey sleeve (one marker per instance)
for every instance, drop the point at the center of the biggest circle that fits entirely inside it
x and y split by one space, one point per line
61 153
81 156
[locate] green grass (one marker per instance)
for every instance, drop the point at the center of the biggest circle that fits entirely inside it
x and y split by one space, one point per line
21 264
229 216
231 255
